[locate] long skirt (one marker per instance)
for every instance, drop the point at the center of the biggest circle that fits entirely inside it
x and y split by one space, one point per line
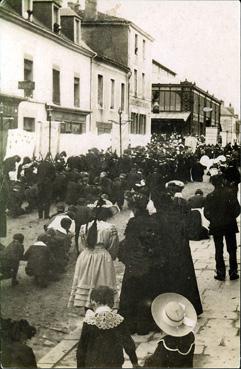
93 268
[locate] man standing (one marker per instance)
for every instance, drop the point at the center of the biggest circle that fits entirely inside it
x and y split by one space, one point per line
221 209
45 178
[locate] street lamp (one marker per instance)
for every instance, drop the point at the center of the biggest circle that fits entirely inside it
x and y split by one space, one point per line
120 128
49 117
1 130
121 122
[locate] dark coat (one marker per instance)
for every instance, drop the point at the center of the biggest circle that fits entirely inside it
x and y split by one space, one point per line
17 355
178 272
173 352
39 260
221 209
46 172
101 348
196 201
10 258
140 254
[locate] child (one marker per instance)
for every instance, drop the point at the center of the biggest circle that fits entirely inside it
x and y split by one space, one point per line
10 258
104 334
177 318
15 353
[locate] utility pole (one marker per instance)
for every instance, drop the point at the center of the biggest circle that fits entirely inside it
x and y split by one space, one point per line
120 127
49 117
120 122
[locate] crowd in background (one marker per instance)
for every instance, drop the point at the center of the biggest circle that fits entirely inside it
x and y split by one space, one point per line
42 182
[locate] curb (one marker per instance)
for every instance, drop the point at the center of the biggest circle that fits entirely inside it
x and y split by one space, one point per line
54 356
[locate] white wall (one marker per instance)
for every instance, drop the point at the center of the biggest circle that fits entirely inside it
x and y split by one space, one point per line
18 43
159 75
140 104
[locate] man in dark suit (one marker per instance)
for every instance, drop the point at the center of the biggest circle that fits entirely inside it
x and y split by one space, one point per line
221 209
45 178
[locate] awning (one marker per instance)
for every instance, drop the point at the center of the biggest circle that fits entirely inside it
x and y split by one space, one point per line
171 115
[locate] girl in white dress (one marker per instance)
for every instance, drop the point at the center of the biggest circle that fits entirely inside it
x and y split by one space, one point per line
94 266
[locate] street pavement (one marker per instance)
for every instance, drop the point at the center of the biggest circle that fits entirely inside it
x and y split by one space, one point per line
218 329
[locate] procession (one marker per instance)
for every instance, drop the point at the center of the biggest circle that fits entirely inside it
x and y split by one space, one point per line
119 237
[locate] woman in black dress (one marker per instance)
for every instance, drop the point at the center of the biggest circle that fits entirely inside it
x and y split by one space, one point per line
139 254
173 226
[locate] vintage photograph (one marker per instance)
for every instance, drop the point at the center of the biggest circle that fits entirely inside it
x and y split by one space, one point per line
120 183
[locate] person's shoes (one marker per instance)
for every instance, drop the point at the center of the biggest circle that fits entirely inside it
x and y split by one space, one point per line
219 277
234 276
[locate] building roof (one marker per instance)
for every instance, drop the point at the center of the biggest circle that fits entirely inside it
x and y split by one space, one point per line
225 111
103 18
58 2
187 84
38 27
105 60
68 12
163 67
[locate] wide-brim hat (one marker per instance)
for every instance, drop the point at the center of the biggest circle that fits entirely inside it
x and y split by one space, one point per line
175 184
39 243
174 314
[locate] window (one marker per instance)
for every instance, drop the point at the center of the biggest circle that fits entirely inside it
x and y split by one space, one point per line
112 93
28 75
135 82
56 87
122 96
100 91
56 15
138 124
143 85
104 128
76 92
72 127
29 124
27 8
77 31
136 44
133 123
142 124
143 49
56 20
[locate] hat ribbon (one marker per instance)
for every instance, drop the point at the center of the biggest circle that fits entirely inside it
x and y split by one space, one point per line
177 323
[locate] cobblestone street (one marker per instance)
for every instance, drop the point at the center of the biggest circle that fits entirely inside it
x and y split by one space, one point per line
217 332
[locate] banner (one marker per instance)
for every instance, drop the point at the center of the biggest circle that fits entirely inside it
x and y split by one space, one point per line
20 142
115 137
211 136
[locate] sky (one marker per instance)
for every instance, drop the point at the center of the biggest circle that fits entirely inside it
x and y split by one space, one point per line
199 40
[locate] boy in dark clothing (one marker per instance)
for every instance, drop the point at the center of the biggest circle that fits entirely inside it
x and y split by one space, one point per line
10 258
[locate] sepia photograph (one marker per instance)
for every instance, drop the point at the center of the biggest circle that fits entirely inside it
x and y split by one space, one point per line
120 184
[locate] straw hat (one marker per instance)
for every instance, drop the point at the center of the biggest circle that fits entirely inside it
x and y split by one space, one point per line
174 314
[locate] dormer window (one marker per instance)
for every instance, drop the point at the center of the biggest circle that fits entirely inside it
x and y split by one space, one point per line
27 9
56 20
77 31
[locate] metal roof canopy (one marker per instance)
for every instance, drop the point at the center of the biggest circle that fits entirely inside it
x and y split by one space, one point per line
171 115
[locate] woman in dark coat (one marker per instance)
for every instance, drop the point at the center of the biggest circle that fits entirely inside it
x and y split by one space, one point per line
173 219
138 252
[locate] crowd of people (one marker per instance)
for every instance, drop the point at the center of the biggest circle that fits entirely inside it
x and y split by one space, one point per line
159 288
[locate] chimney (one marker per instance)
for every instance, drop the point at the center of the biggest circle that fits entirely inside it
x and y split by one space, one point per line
74 6
231 109
90 9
